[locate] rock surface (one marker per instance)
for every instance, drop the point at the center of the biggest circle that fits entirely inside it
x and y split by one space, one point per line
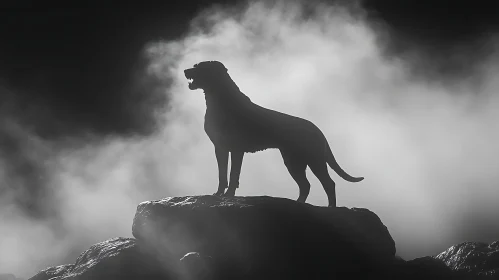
423 268
266 236
197 266
208 237
54 272
117 258
477 259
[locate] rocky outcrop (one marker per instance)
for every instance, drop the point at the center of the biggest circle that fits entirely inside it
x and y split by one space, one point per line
54 272
422 268
117 258
251 237
473 259
197 266
209 237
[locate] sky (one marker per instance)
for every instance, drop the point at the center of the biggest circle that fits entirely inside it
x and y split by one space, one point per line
96 115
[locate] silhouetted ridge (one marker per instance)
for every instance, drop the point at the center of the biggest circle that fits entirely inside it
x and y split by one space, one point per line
265 235
211 237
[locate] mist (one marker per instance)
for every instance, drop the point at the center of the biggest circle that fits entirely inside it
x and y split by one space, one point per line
426 149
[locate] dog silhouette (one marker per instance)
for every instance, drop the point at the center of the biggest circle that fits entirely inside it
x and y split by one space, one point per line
236 125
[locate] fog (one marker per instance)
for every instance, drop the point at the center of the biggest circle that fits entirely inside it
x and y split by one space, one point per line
427 150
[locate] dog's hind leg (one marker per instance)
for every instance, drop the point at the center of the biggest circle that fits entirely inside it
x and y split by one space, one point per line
297 167
319 168
222 155
236 161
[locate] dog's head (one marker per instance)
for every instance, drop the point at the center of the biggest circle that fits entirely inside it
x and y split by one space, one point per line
205 74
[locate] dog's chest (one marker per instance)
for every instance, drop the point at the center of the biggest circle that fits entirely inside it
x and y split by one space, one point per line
231 130
222 124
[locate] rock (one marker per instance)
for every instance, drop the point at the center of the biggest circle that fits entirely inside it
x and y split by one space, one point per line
476 259
117 258
425 268
54 271
197 266
209 237
266 237
468 260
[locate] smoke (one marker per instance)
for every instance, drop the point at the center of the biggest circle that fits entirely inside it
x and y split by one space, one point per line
426 149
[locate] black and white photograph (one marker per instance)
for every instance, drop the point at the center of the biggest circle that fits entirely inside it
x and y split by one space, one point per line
249 139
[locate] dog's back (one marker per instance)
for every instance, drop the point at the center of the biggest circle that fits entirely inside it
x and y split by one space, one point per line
245 126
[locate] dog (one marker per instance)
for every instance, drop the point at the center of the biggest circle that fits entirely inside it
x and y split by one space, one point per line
236 125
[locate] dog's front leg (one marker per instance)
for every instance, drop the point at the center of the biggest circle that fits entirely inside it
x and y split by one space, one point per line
236 161
222 155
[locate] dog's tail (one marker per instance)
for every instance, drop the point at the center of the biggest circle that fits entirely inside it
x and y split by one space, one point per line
336 167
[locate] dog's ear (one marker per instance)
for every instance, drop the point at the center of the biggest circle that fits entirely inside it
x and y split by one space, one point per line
219 65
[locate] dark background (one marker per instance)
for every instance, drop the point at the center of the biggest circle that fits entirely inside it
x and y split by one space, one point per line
68 67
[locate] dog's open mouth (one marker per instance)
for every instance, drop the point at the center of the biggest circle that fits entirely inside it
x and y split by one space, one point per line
192 84
190 78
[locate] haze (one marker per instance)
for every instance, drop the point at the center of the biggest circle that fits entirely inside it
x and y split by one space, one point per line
427 150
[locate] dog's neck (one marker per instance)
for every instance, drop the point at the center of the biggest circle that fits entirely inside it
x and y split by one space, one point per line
216 98
226 93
